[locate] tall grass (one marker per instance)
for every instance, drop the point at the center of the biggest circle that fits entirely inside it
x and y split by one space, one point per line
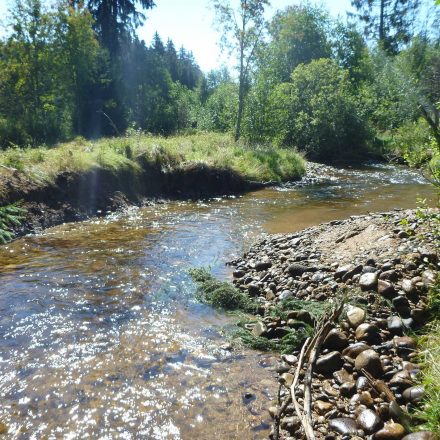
430 345
261 163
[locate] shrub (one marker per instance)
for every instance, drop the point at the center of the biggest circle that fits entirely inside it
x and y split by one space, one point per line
317 112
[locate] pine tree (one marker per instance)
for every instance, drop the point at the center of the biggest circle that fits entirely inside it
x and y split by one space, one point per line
388 21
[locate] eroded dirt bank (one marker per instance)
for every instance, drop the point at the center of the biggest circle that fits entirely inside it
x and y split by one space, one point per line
362 382
74 197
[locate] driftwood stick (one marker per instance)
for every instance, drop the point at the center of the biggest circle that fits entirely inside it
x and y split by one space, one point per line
379 386
278 416
298 411
326 326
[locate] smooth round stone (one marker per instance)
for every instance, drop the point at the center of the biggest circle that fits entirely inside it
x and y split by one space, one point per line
290 359
322 407
366 399
329 363
402 380
286 379
368 281
286 294
408 286
367 332
347 389
370 361
386 289
355 316
421 435
369 421
391 431
404 345
260 328
413 394
336 340
362 384
395 325
343 425
353 350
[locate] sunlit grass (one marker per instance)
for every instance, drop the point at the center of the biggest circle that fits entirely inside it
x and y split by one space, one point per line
430 346
261 163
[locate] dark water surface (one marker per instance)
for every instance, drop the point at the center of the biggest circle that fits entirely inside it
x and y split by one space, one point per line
100 334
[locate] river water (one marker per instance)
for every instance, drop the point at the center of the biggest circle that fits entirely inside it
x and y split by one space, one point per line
100 334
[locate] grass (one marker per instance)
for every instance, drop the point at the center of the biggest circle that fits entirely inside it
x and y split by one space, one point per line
316 309
430 354
260 163
286 345
221 294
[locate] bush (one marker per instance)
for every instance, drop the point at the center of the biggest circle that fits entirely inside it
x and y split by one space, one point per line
317 112
413 142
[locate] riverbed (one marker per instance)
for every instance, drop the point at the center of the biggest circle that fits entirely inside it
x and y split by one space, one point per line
100 333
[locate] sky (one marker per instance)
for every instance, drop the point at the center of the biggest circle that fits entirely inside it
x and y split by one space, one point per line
189 23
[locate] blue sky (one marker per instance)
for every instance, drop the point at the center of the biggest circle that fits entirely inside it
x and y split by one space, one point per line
190 23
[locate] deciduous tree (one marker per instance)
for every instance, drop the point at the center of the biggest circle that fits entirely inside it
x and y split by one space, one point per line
242 32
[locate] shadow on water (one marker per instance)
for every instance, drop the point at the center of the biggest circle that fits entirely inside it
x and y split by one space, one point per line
101 336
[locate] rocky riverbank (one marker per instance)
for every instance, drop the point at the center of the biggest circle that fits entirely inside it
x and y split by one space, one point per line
363 380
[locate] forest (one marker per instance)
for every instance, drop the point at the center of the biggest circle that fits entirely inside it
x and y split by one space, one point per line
329 88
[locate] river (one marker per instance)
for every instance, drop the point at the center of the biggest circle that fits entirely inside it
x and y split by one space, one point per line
100 333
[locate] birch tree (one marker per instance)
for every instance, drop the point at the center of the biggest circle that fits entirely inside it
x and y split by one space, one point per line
242 30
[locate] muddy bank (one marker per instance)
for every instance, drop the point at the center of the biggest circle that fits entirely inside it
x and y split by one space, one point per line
74 197
362 383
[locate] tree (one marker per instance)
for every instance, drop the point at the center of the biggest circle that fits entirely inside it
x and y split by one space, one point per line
116 18
351 52
298 36
30 73
84 67
388 21
242 32
171 60
157 45
317 112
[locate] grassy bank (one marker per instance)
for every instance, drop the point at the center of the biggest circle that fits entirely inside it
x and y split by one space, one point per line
430 346
215 150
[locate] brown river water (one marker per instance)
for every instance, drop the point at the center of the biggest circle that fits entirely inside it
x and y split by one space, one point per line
101 336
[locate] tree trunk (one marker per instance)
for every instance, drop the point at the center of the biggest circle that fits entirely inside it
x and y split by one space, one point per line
241 79
381 23
240 106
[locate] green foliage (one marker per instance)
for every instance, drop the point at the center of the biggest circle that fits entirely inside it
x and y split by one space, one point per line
429 343
285 345
217 151
299 34
430 346
390 22
220 110
316 309
242 35
318 113
220 294
413 141
10 215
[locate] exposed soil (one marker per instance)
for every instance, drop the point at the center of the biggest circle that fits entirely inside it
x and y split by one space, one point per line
74 197
363 382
